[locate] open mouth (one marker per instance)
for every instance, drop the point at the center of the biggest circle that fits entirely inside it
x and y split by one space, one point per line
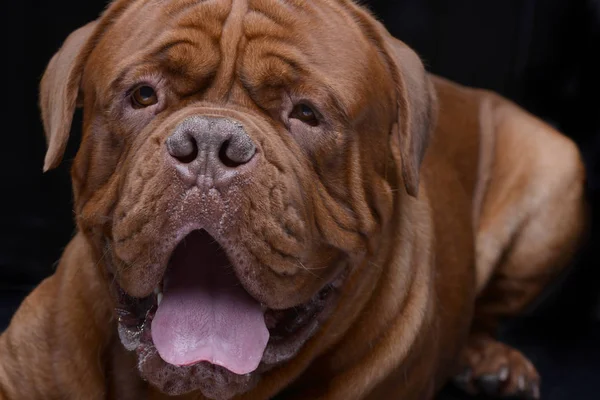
201 313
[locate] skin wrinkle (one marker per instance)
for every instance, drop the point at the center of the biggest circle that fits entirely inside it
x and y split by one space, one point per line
288 253
214 35
281 267
400 292
343 217
144 224
230 43
255 28
134 208
285 248
254 213
134 233
366 224
91 216
164 48
183 7
259 18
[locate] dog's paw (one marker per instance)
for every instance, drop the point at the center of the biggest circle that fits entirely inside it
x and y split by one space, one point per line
497 370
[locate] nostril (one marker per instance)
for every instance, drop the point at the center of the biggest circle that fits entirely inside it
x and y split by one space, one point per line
234 154
225 159
184 148
186 159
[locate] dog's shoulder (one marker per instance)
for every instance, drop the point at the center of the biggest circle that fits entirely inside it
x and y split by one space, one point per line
64 319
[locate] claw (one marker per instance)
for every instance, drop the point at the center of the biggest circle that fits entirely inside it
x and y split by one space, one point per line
521 383
533 392
463 379
503 374
490 383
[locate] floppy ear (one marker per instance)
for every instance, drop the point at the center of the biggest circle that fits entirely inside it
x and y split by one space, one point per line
59 91
417 109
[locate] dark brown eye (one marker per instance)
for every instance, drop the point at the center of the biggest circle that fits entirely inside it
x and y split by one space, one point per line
143 96
305 114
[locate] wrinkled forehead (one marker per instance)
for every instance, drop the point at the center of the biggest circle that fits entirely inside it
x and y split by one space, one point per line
264 40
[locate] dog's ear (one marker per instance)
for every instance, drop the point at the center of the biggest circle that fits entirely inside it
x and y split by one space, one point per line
59 92
417 109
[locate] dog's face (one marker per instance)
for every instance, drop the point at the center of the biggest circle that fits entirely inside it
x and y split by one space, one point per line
236 167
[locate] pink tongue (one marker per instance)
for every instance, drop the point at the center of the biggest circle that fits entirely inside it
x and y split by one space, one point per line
205 314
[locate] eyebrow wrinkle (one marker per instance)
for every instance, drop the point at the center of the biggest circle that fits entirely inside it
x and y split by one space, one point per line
124 73
201 87
184 8
200 29
269 17
160 52
230 40
295 65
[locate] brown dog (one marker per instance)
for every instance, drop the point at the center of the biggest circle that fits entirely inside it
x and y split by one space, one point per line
273 198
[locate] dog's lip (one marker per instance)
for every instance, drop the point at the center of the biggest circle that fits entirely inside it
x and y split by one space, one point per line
165 251
149 287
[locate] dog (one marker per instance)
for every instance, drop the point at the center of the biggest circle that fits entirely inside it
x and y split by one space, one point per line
274 199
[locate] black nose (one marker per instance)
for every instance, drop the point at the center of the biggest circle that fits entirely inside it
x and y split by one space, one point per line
209 150
220 140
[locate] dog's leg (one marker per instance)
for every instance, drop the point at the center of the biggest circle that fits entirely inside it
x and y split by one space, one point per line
531 222
55 345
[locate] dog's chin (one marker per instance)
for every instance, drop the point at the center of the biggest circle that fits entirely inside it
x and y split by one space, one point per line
201 331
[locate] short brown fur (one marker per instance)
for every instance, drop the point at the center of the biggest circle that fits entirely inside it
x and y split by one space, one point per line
451 206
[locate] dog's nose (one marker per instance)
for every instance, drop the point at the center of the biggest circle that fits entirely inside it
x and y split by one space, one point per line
210 148
218 139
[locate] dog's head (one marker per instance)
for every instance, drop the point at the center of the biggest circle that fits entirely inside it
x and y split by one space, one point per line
239 161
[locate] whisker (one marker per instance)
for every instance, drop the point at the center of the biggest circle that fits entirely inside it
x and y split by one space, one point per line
308 269
102 218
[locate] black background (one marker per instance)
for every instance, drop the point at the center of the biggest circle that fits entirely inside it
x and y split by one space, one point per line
545 55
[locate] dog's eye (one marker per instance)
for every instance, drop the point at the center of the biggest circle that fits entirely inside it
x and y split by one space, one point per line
143 96
305 114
